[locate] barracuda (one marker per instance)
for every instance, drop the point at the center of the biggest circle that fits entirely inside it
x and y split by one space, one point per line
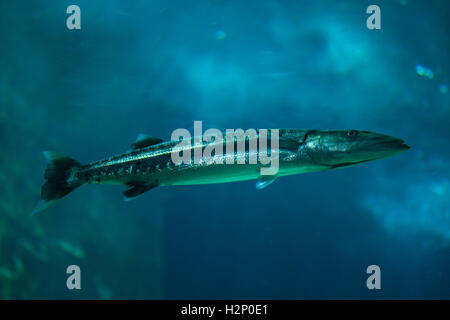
149 163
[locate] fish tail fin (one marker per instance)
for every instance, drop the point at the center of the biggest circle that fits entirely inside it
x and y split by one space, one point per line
60 177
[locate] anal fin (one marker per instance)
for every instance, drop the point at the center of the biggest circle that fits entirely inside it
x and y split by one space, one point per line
137 189
264 182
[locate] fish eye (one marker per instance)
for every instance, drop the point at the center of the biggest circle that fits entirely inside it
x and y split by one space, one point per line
352 133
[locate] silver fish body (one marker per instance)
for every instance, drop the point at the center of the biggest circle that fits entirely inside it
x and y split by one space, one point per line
150 163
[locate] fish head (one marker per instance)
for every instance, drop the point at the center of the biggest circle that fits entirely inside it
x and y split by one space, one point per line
341 148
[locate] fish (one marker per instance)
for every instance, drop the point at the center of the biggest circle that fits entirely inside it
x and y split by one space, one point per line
149 163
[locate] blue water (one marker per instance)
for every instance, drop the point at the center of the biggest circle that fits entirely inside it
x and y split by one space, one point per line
155 66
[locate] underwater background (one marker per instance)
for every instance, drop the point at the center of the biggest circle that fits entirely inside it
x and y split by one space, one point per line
155 66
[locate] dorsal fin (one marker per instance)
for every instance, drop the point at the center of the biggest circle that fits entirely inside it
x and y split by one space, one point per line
144 140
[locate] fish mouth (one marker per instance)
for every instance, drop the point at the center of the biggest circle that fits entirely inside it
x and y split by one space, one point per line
382 146
390 144
403 147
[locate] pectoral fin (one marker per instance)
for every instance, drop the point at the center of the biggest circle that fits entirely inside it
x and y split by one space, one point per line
288 156
263 182
137 189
